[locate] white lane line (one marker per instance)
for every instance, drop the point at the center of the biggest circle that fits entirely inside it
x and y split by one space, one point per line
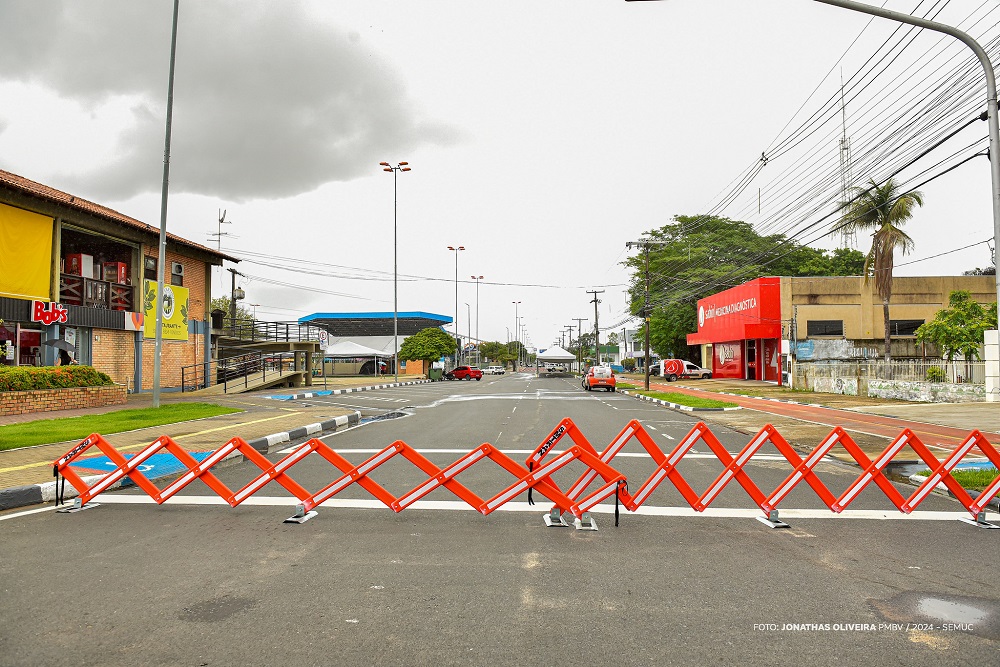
692 454
18 515
650 427
646 510
514 410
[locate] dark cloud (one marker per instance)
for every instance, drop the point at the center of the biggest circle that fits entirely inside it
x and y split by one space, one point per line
267 102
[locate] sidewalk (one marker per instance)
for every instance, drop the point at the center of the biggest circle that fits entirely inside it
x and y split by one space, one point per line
806 418
263 422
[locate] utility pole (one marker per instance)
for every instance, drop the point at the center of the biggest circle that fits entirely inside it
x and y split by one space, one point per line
232 300
597 329
644 244
579 346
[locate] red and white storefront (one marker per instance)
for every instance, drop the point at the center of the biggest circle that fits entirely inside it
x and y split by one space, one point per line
743 326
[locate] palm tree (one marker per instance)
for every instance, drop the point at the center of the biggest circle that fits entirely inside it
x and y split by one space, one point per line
883 209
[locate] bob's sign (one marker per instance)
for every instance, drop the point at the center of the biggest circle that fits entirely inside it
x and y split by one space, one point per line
48 313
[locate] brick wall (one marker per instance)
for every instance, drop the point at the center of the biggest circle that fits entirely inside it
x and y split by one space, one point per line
176 353
114 354
44 400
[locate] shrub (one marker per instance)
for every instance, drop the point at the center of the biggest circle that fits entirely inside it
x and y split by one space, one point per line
935 374
26 378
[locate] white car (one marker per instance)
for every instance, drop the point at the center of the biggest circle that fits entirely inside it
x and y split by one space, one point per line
495 370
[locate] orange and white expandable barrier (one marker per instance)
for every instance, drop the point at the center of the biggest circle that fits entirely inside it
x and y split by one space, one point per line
536 473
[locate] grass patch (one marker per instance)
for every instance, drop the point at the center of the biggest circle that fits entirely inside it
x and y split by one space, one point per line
973 480
624 385
685 399
45 431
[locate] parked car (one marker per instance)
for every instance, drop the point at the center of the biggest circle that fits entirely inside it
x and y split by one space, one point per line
599 377
464 373
671 369
495 370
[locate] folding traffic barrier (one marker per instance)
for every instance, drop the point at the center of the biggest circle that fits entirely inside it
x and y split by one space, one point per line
540 466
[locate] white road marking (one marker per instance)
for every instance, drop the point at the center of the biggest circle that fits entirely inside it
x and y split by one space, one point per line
552 452
646 510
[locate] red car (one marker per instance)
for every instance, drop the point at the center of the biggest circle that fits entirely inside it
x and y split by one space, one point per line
599 377
464 373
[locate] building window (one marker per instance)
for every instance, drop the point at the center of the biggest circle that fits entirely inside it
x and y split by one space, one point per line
904 327
825 327
149 268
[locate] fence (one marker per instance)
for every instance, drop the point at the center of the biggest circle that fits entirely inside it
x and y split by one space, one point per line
536 473
909 370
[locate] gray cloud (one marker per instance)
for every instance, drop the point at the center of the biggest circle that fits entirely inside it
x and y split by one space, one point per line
267 102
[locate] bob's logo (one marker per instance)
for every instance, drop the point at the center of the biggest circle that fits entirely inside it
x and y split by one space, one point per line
48 313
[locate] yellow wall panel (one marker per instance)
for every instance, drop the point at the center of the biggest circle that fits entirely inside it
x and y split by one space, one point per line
25 254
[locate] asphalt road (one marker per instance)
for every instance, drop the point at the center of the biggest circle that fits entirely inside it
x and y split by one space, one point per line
202 584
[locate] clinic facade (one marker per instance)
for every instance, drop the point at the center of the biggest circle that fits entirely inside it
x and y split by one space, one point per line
752 331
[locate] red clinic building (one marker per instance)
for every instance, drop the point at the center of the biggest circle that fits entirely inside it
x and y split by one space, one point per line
743 326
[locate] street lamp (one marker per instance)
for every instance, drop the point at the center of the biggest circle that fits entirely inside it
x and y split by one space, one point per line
164 189
516 319
254 306
468 322
458 352
402 166
477 279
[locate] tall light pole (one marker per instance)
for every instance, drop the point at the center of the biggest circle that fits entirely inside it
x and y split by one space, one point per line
468 323
164 189
402 166
516 319
477 279
458 351
254 306
991 96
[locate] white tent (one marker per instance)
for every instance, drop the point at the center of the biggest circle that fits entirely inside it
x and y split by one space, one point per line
554 355
347 348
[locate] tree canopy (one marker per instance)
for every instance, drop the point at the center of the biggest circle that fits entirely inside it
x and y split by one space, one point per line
427 345
959 328
697 256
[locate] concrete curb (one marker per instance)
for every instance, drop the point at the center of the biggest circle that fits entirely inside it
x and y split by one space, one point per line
33 494
942 489
676 406
350 390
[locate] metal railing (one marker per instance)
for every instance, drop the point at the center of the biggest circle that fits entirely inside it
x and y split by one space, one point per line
237 371
79 291
259 331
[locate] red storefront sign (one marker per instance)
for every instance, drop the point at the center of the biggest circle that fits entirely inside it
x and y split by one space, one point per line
748 311
48 313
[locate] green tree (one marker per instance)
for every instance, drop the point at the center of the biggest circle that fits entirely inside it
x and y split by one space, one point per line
494 351
697 256
427 345
883 209
959 328
222 303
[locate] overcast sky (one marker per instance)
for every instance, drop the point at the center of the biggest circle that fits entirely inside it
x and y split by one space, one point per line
542 136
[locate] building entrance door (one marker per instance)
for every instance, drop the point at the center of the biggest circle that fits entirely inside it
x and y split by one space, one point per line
751 360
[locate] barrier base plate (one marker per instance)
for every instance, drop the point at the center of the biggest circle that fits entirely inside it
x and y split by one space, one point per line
979 522
585 523
554 520
301 517
772 521
77 507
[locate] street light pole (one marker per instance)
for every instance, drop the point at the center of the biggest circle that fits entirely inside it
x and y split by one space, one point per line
477 279
468 323
402 166
516 320
458 351
164 189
